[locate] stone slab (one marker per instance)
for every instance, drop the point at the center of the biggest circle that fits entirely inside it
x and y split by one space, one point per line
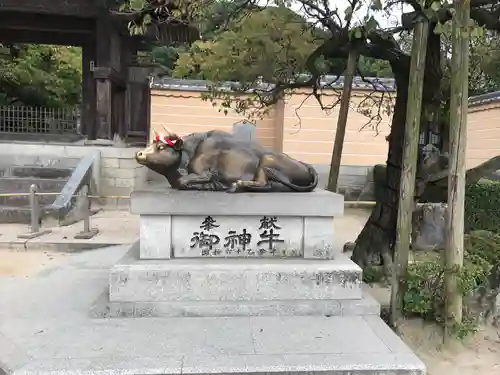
45 329
226 279
155 237
103 308
174 202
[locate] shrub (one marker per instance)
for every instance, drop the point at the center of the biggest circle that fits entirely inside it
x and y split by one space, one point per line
425 291
482 206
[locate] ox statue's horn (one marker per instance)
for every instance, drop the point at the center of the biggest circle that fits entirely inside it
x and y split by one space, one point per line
167 130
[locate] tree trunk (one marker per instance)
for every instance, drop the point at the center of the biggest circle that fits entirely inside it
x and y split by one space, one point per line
377 237
374 245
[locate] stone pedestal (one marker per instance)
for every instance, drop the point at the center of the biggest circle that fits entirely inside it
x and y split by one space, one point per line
190 224
219 254
261 274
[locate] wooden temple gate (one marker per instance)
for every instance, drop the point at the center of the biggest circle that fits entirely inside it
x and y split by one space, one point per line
115 88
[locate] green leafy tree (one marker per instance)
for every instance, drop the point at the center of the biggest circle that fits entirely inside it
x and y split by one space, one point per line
165 57
266 43
41 75
260 45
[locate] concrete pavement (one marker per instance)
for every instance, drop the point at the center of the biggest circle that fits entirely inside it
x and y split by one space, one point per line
115 228
45 328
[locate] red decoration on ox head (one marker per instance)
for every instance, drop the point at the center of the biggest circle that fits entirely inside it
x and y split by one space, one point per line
166 141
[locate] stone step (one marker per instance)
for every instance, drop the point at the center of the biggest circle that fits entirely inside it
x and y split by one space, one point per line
19 215
40 172
24 200
22 184
239 280
104 308
360 345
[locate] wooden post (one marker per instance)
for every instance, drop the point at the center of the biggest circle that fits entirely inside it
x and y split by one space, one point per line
409 169
104 119
352 61
454 252
89 100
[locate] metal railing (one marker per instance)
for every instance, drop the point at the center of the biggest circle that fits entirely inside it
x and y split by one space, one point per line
22 119
36 211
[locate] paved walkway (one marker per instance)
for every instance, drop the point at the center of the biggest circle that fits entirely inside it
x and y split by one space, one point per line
45 328
115 228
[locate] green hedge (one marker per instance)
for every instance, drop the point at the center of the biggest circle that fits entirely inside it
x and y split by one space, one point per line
482 206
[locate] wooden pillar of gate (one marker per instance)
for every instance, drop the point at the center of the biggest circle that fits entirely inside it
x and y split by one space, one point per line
89 101
110 75
139 98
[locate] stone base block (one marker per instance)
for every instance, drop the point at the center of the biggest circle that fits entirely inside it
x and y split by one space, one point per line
236 280
103 308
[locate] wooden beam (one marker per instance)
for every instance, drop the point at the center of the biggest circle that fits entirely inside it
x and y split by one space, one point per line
454 250
45 22
103 28
409 170
57 7
112 75
43 37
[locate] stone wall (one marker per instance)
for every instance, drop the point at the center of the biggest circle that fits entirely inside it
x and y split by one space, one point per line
120 173
355 181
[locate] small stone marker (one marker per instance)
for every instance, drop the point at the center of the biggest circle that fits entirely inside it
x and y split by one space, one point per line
245 130
429 226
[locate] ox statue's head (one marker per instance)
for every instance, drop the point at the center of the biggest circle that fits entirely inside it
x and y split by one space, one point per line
163 153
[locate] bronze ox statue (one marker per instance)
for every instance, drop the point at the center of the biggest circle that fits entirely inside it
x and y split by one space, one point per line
220 161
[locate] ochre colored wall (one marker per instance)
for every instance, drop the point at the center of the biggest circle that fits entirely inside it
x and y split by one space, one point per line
309 132
298 126
483 133
185 112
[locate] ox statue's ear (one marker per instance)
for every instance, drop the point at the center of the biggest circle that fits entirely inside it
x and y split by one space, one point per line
178 144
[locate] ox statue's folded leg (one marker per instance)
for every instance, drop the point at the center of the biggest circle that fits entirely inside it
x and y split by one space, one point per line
205 181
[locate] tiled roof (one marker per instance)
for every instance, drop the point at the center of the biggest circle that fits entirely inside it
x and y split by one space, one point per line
367 83
484 98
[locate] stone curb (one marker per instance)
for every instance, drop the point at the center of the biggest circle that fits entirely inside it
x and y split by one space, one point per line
65 247
316 364
360 204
